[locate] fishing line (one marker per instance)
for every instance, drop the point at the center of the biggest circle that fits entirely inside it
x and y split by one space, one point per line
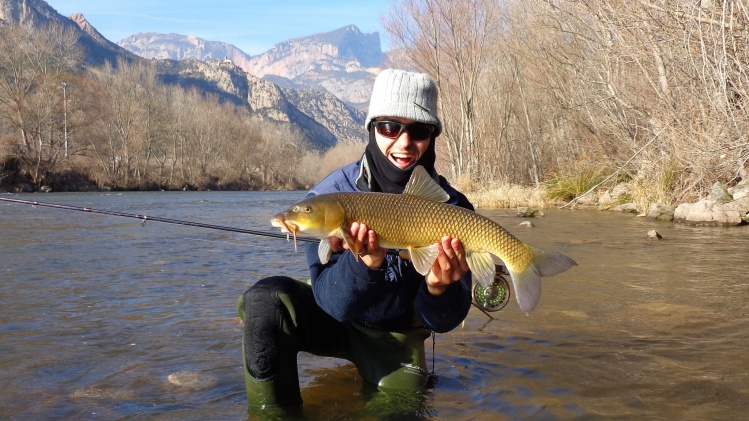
145 218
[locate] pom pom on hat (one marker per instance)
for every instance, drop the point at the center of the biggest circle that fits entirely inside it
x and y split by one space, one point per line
398 93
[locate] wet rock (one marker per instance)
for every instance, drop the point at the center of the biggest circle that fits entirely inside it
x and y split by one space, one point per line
719 194
525 212
712 212
653 235
45 189
526 224
661 212
627 207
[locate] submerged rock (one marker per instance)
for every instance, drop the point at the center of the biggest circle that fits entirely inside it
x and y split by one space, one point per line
190 380
654 235
526 212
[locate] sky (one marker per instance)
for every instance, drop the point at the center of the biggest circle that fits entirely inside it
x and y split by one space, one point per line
253 26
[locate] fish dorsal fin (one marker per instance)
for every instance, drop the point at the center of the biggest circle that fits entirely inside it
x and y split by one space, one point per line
422 185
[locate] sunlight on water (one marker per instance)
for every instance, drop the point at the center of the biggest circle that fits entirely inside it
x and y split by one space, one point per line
102 317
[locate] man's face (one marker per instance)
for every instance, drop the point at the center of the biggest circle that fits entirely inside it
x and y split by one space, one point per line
408 146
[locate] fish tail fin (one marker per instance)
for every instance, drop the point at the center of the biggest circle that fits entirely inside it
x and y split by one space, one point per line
528 282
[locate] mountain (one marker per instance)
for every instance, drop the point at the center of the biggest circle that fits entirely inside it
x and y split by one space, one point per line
182 47
320 116
97 49
343 62
323 119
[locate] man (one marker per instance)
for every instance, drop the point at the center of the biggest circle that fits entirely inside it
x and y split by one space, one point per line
375 311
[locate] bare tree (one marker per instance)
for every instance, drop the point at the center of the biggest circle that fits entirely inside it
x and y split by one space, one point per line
449 40
33 63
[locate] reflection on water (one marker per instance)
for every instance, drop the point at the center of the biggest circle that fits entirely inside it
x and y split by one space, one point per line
104 318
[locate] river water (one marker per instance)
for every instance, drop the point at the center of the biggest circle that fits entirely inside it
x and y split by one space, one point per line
102 318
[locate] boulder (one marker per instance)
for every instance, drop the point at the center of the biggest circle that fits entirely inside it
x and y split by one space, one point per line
740 190
525 212
719 194
661 212
653 235
713 212
627 207
619 192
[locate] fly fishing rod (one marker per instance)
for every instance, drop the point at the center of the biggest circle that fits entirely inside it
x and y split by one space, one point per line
145 218
492 298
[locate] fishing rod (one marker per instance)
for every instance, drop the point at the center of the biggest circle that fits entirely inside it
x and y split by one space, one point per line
145 218
492 298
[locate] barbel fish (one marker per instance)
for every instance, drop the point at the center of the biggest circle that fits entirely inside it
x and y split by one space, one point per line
416 221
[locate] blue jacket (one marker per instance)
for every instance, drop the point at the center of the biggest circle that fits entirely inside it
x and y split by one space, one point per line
394 297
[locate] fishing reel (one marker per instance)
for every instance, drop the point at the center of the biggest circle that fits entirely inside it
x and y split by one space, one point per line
494 296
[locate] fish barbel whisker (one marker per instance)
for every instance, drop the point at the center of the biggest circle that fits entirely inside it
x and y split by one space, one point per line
286 229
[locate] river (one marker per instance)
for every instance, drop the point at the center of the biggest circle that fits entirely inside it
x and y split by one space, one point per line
103 318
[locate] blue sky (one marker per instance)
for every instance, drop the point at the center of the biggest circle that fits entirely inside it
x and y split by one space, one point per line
252 25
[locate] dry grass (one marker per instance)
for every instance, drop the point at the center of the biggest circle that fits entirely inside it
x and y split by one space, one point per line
502 196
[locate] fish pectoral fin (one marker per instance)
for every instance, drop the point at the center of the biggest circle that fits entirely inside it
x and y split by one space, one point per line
350 242
482 267
423 257
324 251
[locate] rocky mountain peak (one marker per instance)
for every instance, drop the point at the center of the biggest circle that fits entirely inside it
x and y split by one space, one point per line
182 47
27 11
86 27
343 62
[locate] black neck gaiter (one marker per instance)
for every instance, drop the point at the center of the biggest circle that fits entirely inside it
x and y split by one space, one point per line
386 177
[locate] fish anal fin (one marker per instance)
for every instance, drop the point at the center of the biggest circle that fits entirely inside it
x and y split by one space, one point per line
482 267
423 257
421 184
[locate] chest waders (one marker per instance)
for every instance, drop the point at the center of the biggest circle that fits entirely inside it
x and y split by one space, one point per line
282 318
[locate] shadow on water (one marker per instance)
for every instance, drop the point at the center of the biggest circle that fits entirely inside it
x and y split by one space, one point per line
104 318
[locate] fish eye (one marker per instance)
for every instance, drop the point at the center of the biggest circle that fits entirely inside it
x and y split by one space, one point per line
308 208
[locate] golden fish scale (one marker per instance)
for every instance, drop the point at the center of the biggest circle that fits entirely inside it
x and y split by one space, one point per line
395 218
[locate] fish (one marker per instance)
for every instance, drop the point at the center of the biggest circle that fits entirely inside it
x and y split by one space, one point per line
416 221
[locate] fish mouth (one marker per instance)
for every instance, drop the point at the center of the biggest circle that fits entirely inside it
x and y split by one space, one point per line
286 227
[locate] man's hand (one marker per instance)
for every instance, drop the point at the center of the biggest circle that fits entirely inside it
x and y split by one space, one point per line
449 267
364 244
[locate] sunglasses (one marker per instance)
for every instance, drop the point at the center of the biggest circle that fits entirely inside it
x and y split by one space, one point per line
393 130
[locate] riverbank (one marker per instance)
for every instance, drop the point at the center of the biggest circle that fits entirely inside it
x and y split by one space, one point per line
724 206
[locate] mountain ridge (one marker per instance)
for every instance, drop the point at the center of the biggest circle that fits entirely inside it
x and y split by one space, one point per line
332 122
344 61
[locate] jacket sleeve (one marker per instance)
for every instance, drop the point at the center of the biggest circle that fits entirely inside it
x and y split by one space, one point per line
445 312
349 291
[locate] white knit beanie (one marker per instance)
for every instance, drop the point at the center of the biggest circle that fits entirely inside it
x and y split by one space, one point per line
398 93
